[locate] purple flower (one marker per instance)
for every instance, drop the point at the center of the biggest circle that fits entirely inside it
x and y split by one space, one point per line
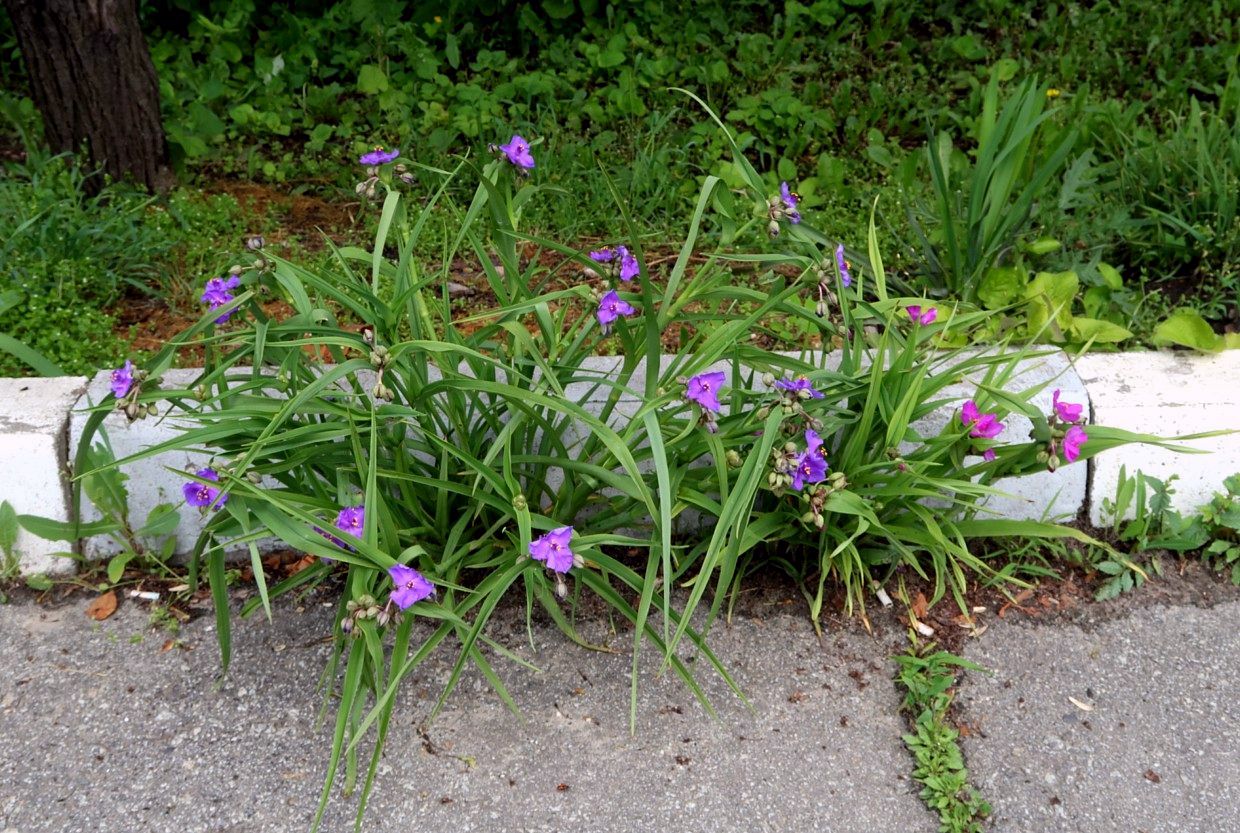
628 264
200 494
983 426
1066 411
988 455
352 520
610 307
704 390
518 152
810 468
378 156
790 200
122 379
604 255
409 586
1072 442
553 549
918 317
218 292
842 264
795 386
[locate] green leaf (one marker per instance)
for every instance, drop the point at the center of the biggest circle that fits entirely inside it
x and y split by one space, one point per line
38 582
162 520
38 362
1110 276
1004 69
1187 328
1001 286
1044 246
1050 296
8 528
1097 331
65 530
116 566
371 80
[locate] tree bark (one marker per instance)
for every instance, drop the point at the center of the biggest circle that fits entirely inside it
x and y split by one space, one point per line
92 78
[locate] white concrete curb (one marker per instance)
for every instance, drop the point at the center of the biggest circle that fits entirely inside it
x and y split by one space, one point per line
34 443
1159 393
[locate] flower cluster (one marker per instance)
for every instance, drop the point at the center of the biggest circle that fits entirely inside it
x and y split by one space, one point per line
218 293
373 160
921 316
1069 439
203 495
622 262
126 385
982 426
783 206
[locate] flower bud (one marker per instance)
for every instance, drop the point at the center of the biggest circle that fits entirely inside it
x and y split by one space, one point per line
764 412
131 411
254 477
360 189
732 458
773 229
820 521
519 503
255 243
384 616
561 589
821 310
1052 462
234 270
790 448
808 517
346 624
772 480
768 379
152 409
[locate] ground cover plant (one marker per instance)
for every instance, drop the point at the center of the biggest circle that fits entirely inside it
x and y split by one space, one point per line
1129 170
439 463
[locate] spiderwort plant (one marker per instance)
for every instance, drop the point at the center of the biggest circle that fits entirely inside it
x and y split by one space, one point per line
488 474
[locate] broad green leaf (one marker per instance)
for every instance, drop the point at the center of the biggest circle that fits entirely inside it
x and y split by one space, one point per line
371 80
1187 328
1097 331
1001 286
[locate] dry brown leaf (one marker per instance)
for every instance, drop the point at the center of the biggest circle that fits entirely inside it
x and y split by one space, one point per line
102 607
920 606
297 566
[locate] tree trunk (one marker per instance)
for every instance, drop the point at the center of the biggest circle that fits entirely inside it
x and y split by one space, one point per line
92 78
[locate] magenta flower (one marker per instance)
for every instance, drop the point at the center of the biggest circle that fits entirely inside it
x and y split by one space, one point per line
795 386
1066 411
610 307
915 313
409 586
378 156
518 152
842 264
704 390
790 200
1072 442
218 292
553 549
988 455
122 379
201 494
983 426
